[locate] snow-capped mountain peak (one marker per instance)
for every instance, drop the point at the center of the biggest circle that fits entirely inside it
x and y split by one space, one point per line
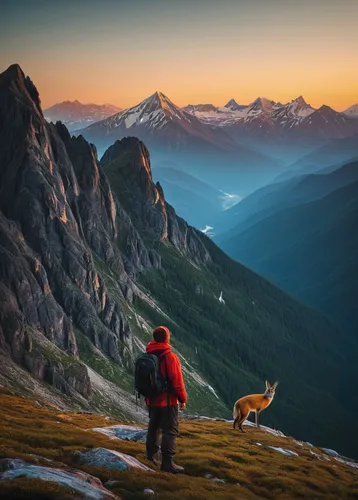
201 108
75 114
298 107
266 117
352 111
300 100
157 101
234 106
153 112
262 104
157 120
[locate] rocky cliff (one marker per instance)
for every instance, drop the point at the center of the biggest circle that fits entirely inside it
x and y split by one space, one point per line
57 215
61 228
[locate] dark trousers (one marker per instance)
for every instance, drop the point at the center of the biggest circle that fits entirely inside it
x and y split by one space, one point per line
163 419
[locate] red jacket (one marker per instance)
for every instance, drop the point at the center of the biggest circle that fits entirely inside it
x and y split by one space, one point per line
171 363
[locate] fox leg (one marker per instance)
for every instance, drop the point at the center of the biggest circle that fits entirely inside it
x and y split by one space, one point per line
257 412
237 418
242 420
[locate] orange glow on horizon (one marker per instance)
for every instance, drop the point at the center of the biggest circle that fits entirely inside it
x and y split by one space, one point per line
202 51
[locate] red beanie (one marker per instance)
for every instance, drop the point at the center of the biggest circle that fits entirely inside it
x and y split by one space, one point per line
161 334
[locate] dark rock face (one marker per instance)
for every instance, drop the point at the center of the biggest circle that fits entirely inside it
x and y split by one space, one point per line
128 160
59 224
127 164
58 212
27 307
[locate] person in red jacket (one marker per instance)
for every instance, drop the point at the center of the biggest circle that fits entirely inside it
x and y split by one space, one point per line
163 409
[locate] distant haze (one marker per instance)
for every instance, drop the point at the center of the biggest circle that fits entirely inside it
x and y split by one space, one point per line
194 51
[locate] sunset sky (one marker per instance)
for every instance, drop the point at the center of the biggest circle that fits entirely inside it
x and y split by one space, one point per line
194 51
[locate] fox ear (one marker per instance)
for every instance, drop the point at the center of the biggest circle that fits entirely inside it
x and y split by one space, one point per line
275 385
267 384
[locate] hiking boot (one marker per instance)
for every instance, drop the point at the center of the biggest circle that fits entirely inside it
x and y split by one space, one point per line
170 466
153 459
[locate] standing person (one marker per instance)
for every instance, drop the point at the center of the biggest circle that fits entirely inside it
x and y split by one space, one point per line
163 408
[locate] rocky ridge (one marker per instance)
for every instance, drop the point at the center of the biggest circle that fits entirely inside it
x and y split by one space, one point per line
61 229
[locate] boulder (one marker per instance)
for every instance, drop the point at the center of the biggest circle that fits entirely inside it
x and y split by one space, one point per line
125 432
90 486
111 459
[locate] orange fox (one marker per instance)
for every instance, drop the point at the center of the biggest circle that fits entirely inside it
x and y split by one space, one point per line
254 402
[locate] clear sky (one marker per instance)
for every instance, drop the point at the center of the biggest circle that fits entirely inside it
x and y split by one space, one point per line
193 51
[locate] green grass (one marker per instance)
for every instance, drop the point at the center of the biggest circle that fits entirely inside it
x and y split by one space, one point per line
204 447
30 489
101 364
260 333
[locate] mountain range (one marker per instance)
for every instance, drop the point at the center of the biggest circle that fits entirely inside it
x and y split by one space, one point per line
331 154
295 117
76 115
174 135
283 131
92 257
236 148
352 111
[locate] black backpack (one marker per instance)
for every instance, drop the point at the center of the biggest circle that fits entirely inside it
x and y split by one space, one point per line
148 381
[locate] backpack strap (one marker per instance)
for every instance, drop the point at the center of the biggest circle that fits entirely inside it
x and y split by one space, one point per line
160 357
166 373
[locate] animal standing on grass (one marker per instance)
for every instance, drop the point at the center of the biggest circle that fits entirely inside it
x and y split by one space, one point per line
254 402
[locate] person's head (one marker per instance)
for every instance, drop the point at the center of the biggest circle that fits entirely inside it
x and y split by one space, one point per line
161 334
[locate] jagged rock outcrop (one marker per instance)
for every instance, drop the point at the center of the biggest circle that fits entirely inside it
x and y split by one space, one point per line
87 486
127 164
60 224
58 216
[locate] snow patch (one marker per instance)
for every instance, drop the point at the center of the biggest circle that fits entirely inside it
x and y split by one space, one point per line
208 231
347 462
213 391
229 200
284 451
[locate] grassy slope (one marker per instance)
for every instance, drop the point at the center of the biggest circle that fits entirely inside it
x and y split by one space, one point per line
202 400
259 333
28 429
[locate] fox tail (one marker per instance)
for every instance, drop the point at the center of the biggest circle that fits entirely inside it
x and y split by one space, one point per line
237 415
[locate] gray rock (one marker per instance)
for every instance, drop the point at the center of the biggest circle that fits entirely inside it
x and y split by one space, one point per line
56 212
111 459
148 491
90 486
330 452
112 483
125 432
